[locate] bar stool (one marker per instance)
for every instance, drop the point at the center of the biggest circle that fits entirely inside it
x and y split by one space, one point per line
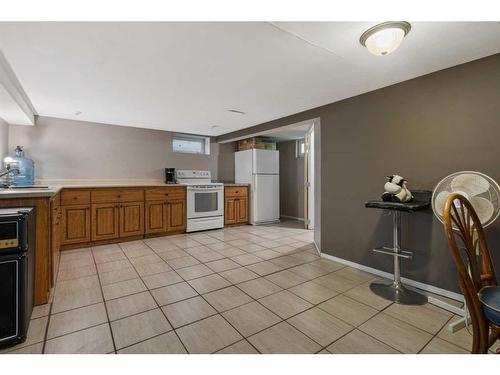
395 290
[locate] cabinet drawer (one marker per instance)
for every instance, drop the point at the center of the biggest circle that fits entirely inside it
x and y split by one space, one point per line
236 191
75 196
117 195
153 194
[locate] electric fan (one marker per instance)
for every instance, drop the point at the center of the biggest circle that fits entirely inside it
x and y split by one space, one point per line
484 195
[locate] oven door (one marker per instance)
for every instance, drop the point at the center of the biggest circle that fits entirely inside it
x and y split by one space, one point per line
205 202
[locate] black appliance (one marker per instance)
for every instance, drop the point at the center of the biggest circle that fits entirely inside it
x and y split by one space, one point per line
170 175
17 266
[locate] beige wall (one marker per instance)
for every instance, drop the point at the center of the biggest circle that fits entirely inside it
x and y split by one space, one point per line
4 140
423 129
226 161
66 149
291 181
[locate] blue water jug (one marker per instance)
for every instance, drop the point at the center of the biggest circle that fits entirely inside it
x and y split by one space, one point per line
25 166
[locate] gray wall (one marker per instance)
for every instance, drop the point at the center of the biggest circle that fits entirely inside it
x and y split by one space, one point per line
291 181
4 140
423 129
226 161
66 149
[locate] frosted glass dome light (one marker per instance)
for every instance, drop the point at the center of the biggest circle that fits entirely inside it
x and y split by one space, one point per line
385 38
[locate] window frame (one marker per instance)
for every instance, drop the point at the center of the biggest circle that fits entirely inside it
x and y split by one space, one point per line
205 143
298 144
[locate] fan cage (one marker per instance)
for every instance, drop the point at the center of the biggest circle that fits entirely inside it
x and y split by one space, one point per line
492 194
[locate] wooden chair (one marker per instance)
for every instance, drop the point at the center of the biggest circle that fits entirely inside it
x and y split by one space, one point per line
475 270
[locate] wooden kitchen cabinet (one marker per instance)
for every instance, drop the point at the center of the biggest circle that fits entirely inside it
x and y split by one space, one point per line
235 205
176 215
105 221
55 240
75 224
167 215
131 219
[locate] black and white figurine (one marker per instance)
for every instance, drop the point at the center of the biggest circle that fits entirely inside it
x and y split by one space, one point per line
396 190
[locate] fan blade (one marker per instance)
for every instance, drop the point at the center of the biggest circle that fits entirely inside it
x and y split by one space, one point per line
470 184
440 201
483 207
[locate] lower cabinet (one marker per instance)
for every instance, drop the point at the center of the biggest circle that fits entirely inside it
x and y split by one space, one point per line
113 220
75 224
235 205
131 219
165 216
55 241
105 221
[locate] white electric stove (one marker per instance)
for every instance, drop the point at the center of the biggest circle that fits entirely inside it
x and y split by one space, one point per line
205 200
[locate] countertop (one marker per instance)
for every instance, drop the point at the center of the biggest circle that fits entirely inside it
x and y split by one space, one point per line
54 186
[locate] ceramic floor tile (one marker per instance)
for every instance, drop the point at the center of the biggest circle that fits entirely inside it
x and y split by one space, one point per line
357 342
251 248
95 340
113 266
76 273
161 279
208 256
426 317
362 293
103 257
222 265
355 275
209 283
80 298
258 288
267 254
349 310
320 326
264 268
173 293
208 335
75 320
285 304
139 327
167 343
129 305
193 272
182 262
139 252
312 292
112 277
286 279
241 347
308 271
239 275
188 311
123 288
284 339
439 346
230 251
251 318
396 333
286 261
336 282
461 338
246 259
31 349
40 311
75 285
328 265
152 269
174 254
227 298
36 332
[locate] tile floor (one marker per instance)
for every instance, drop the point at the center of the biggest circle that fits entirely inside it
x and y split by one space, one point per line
238 290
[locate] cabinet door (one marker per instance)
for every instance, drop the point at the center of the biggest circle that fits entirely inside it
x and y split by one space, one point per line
242 211
156 217
75 224
105 221
55 242
176 215
132 219
230 215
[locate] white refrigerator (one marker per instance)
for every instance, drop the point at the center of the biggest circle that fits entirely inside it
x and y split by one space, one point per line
260 169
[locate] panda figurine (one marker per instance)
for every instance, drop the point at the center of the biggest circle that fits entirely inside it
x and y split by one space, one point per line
396 190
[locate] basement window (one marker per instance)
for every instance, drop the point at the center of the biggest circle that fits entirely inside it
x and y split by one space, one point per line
191 144
300 148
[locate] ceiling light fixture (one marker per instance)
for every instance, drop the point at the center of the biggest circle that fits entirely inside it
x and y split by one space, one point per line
385 38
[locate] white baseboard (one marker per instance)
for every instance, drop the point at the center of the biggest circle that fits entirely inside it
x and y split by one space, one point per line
292 217
416 284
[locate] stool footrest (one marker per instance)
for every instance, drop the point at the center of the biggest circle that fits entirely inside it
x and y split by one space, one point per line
391 251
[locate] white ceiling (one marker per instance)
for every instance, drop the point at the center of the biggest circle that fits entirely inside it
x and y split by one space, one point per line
185 76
